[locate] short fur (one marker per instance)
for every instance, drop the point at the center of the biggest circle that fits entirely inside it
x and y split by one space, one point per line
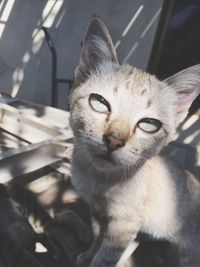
133 187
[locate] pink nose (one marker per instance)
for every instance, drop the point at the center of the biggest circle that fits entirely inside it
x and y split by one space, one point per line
112 143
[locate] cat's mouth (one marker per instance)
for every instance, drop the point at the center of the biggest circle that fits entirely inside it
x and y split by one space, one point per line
104 160
106 157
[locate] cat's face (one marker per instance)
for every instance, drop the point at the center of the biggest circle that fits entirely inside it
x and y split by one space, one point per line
125 103
120 115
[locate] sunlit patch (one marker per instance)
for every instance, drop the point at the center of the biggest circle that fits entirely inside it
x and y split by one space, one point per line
117 44
130 52
37 41
133 19
39 248
191 138
50 196
7 10
18 77
2 27
129 25
69 197
151 23
190 122
26 57
50 11
7 7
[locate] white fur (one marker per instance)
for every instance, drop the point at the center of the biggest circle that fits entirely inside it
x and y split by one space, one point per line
140 188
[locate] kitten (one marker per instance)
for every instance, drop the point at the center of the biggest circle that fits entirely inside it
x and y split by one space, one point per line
121 118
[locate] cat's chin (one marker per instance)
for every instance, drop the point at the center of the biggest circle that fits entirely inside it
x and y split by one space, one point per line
104 162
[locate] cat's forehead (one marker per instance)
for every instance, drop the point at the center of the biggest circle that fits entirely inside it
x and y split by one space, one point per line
135 81
124 81
130 90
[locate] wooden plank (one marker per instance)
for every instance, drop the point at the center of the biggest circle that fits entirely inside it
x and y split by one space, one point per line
30 158
54 117
31 128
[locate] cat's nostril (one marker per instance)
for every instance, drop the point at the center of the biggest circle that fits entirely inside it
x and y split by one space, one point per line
112 143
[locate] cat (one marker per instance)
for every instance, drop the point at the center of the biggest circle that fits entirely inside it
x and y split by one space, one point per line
121 118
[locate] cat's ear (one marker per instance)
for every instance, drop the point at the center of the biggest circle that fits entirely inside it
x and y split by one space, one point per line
186 84
97 47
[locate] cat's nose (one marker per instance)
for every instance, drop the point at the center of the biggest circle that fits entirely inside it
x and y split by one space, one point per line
112 143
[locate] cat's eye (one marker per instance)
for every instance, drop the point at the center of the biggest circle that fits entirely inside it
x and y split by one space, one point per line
150 125
99 103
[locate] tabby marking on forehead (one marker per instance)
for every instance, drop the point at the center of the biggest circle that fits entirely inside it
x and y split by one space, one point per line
127 84
115 89
149 103
143 91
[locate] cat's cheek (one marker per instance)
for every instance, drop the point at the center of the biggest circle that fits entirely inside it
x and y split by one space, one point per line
152 147
157 137
143 146
96 128
140 134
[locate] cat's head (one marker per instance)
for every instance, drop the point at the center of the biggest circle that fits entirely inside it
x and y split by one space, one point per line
121 115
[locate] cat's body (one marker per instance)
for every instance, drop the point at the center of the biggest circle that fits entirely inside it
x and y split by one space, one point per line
144 198
122 118
153 201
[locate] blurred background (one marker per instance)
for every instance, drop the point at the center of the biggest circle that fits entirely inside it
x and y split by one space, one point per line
159 36
26 60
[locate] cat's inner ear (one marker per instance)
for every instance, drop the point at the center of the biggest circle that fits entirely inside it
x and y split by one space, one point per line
97 47
186 84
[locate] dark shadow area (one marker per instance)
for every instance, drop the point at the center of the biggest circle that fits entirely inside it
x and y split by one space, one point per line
176 47
178 41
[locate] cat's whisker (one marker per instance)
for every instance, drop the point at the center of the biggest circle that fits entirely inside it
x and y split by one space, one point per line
135 153
134 168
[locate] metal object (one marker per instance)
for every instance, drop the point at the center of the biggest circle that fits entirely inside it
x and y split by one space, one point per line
160 36
31 140
54 80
